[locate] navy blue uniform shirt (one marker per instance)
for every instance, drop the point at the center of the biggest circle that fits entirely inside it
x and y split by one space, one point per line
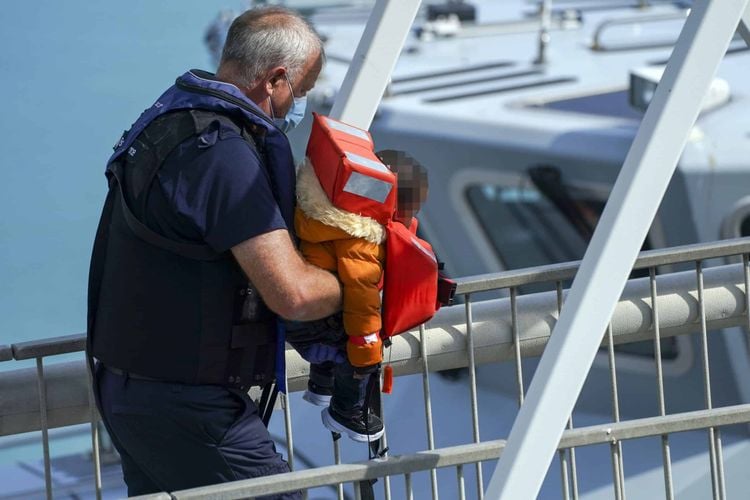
213 188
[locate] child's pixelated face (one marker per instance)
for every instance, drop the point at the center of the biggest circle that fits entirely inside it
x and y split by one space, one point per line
412 184
412 193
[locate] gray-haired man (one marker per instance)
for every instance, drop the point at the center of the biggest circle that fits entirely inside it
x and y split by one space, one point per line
196 227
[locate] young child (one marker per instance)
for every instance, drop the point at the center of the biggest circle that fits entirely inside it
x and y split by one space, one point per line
353 247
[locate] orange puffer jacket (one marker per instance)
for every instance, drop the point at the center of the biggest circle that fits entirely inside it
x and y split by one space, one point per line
351 246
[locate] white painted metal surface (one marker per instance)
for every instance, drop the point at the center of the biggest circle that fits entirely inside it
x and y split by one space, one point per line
613 249
374 60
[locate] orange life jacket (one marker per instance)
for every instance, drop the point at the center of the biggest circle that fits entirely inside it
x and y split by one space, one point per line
352 176
355 180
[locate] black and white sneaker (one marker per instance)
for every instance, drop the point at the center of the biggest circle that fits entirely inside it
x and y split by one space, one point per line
356 427
318 394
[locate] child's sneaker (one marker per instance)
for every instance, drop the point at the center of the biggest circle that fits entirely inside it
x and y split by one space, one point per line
317 394
357 427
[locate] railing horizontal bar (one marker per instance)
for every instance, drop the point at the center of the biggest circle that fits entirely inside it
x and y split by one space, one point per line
49 347
465 454
155 496
655 426
6 353
517 277
567 270
358 471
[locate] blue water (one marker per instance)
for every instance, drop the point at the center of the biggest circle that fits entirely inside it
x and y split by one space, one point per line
75 74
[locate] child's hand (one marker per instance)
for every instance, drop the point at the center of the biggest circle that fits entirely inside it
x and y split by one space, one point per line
320 353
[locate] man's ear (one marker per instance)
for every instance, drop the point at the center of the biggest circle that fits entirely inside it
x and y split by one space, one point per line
274 76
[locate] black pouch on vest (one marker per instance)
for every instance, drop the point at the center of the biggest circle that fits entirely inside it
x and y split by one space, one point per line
253 340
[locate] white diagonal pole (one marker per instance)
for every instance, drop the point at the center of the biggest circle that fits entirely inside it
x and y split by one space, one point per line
610 255
374 60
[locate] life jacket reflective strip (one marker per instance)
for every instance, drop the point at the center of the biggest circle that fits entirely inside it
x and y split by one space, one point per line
353 178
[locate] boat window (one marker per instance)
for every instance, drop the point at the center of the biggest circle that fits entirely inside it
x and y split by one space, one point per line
524 227
543 221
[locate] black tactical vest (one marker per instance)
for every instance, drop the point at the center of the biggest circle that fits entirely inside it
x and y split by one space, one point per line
164 309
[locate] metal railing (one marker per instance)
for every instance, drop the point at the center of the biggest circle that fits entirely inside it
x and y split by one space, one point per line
508 329
597 45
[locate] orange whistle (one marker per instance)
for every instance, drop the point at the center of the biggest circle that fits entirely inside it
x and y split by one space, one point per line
387 379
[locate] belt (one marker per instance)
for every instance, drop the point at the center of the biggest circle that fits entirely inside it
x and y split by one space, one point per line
134 376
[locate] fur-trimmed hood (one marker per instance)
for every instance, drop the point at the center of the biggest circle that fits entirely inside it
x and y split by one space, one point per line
314 202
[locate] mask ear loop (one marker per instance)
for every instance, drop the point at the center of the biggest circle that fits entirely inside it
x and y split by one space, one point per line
291 90
270 105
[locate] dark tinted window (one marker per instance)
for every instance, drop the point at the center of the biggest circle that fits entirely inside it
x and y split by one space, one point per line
745 226
527 229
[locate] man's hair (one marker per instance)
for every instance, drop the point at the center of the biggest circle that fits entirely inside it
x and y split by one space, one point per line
265 37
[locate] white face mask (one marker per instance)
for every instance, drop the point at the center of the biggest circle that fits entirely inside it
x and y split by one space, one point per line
295 114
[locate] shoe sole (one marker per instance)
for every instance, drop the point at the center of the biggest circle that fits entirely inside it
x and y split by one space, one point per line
332 425
316 399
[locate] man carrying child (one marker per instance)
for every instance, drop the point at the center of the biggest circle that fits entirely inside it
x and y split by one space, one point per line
353 247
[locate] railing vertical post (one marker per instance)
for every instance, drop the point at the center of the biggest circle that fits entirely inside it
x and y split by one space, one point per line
564 479
461 482
666 459
713 449
516 342
288 422
45 430
94 435
427 405
473 389
337 461
619 474
720 464
571 451
629 212
384 444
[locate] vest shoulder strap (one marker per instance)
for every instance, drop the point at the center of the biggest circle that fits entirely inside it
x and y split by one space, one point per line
150 150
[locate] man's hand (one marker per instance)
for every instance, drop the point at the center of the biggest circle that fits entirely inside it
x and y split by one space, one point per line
290 287
320 353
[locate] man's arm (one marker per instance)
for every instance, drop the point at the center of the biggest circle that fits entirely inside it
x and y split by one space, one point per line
290 287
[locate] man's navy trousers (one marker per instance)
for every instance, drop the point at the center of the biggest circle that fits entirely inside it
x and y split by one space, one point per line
174 436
